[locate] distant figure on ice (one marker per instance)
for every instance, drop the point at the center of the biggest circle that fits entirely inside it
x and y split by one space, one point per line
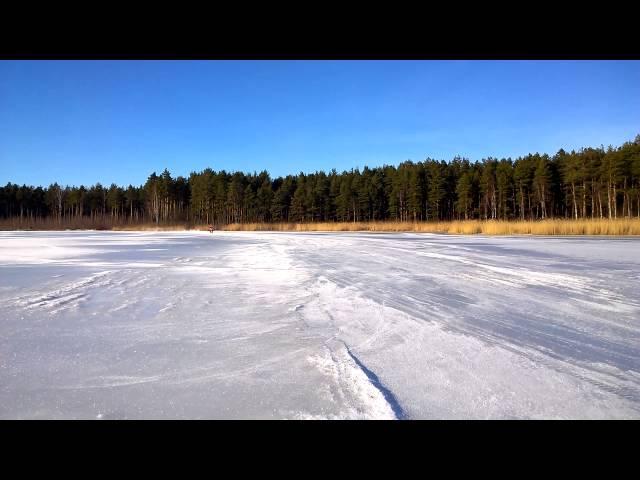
210 228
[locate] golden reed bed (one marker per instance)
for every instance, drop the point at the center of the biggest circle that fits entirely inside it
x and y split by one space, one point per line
622 226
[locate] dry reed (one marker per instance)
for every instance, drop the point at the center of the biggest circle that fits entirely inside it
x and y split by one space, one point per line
620 226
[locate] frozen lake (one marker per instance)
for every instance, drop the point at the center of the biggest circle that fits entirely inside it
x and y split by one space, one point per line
311 325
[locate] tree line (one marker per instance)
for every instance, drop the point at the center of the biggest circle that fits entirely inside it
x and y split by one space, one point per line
589 183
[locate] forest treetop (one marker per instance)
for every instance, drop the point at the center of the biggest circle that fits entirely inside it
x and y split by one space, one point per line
590 182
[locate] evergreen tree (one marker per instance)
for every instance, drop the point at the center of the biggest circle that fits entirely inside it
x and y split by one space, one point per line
594 182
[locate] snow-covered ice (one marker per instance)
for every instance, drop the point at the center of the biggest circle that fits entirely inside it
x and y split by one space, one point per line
111 325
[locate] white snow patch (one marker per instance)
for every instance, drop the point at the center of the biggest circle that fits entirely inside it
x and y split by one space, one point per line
277 325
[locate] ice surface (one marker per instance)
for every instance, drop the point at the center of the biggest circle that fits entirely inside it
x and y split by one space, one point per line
315 325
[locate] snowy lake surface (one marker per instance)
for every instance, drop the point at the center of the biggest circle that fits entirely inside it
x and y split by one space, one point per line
120 325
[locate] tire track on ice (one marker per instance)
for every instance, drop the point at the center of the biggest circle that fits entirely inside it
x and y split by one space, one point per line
67 296
355 386
388 395
352 384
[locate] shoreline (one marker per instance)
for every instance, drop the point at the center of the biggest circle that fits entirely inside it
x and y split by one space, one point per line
626 227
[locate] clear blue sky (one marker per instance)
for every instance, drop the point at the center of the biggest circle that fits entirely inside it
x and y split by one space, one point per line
80 122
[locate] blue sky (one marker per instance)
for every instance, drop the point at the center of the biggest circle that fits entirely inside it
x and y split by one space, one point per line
80 122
